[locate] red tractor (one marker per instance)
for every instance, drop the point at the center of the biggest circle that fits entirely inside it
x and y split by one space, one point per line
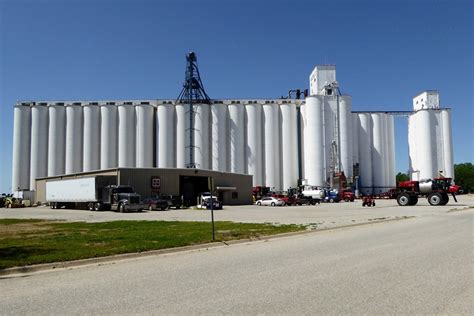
435 190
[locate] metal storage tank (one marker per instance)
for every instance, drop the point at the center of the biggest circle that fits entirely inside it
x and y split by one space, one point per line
314 141
345 134
56 140
108 136
391 151
272 153
21 148
219 137
180 135
289 140
355 137
201 136
165 138
73 139
378 172
39 143
424 144
126 136
145 131
236 141
447 143
91 157
254 142
365 153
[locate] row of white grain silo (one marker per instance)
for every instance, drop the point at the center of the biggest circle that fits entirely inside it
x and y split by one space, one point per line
430 144
254 137
327 137
374 151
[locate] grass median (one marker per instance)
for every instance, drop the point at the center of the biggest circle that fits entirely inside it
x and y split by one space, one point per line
27 242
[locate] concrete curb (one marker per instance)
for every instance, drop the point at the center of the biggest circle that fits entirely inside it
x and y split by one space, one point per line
25 270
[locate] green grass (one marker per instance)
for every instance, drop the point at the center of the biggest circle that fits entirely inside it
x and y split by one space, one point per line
26 242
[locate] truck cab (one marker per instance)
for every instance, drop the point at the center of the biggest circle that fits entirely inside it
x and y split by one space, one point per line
121 198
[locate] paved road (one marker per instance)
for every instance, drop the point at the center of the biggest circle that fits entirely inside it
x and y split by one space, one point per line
422 265
325 215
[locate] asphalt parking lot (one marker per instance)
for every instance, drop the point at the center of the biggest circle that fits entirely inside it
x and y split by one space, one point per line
325 215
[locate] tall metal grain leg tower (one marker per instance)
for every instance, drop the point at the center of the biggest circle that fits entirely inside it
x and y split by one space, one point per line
193 93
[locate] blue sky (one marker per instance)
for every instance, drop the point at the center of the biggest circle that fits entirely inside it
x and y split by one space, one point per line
385 52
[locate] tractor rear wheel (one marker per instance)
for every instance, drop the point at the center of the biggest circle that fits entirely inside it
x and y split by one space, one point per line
435 199
403 199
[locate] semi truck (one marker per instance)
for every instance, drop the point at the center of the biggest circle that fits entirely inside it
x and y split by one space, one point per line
93 193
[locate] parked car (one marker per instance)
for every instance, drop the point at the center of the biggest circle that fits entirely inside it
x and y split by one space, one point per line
173 200
270 200
156 203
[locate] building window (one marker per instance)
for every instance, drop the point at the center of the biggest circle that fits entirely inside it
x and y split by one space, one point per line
235 195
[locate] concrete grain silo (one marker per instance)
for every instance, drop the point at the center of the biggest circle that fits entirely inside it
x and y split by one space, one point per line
126 135
145 130
108 136
21 148
56 139
254 142
91 152
39 143
74 138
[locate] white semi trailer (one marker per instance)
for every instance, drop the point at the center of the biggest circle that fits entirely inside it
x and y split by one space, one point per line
93 193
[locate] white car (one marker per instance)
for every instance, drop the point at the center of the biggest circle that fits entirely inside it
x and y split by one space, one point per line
269 200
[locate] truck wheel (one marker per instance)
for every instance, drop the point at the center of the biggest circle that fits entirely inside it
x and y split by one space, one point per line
97 206
403 199
90 206
121 208
413 200
435 199
52 205
445 199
